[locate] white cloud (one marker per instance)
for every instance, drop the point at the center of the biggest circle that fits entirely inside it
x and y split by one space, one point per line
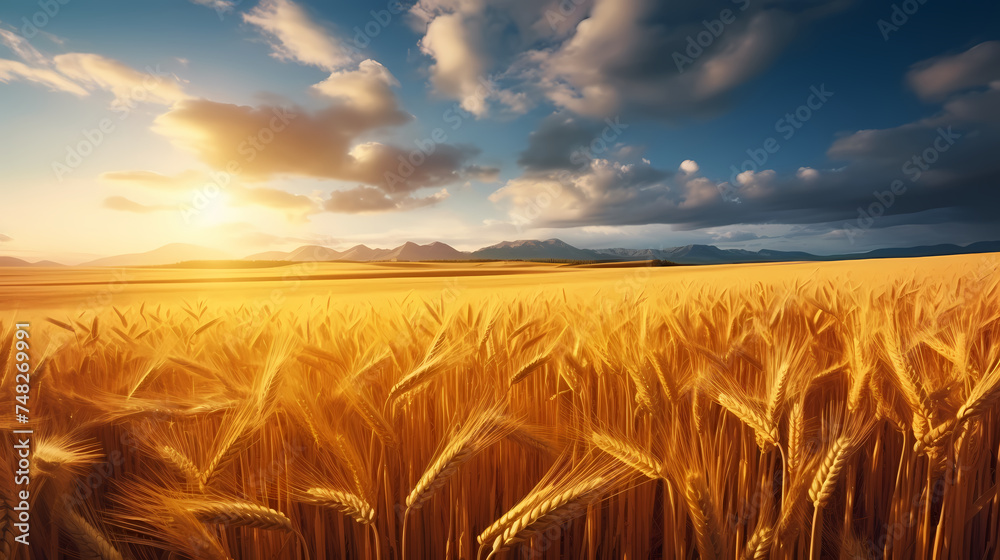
127 84
293 35
12 70
600 57
807 173
22 48
938 77
368 88
689 166
459 62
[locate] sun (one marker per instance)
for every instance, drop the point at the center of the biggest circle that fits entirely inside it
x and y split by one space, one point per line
208 210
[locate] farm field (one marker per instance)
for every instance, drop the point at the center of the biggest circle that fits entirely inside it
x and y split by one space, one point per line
508 410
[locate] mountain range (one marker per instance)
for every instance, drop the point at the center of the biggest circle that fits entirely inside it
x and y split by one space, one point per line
16 262
525 249
168 254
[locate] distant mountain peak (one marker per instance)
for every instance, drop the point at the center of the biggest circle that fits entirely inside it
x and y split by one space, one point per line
521 249
170 253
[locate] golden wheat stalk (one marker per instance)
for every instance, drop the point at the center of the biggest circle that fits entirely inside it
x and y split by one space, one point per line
528 369
629 454
981 397
647 394
89 540
860 369
759 545
796 435
703 517
239 514
778 390
765 430
373 418
352 505
420 375
554 510
496 529
458 451
230 450
825 480
183 465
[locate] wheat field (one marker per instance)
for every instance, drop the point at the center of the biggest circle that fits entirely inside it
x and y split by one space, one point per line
795 416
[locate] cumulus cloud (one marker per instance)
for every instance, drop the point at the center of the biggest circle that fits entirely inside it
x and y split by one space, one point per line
255 144
939 77
604 193
369 88
123 204
294 36
689 166
807 173
459 60
939 169
603 57
266 141
470 40
553 144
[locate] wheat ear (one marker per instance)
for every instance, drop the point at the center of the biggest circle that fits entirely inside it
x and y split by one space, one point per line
825 480
412 380
458 452
349 504
766 432
88 538
183 465
629 454
556 509
706 526
528 369
759 545
240 514
490 534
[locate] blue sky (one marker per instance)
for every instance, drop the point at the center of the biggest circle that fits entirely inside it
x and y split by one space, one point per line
183 84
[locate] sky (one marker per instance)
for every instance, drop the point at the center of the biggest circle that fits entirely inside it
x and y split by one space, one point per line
257 125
